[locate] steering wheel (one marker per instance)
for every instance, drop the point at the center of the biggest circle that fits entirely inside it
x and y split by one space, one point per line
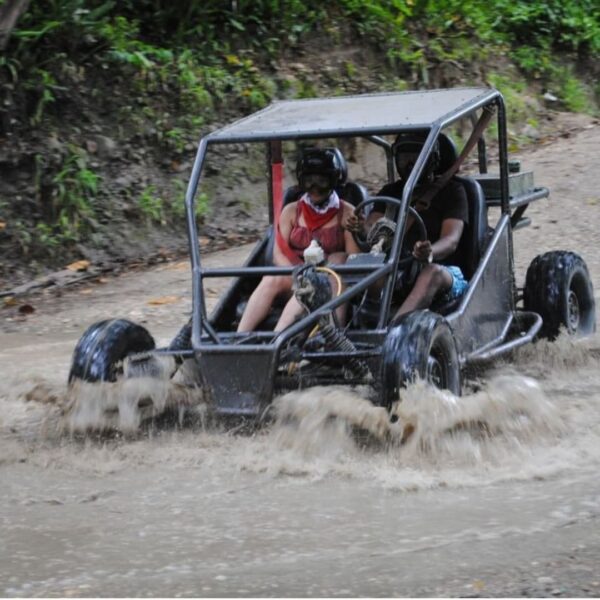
409 265
395 202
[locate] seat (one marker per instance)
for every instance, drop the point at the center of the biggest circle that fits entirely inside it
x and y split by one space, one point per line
473 239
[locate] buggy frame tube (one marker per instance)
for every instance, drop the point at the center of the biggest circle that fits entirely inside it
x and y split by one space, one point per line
389 157
198 301
503 158
481 147
198 306
269 166
504 193
260 271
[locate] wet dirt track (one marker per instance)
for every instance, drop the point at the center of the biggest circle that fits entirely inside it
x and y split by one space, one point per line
510 508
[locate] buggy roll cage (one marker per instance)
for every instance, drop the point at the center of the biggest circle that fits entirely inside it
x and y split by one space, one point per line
254 129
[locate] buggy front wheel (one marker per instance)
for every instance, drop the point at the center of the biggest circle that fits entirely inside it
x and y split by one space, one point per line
100 352
421 346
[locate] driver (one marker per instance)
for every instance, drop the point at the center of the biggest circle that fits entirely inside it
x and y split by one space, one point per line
445 217
318 214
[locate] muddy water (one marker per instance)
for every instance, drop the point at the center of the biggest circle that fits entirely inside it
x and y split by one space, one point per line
502 478
495 493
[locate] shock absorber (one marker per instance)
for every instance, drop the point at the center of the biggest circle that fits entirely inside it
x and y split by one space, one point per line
312 290
336 341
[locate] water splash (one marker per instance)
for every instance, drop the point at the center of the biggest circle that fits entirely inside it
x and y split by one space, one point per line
533 416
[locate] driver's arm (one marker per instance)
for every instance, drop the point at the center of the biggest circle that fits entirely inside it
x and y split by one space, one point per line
449 238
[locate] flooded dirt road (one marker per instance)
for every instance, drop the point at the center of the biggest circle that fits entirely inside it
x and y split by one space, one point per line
509 507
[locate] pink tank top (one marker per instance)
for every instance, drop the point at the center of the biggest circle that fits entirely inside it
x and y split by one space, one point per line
330 238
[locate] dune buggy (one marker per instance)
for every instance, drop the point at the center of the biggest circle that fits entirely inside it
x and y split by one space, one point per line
242 372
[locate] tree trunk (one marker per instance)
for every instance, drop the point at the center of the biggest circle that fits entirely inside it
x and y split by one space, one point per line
10 12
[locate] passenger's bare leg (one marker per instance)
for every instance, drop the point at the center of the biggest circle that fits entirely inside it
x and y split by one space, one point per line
293 309
431 280
261 301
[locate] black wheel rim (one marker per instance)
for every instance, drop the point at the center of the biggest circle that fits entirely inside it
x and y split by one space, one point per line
573 311
436 372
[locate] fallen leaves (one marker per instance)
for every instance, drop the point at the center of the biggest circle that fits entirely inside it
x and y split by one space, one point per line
182 265
23 310
163 300
80 265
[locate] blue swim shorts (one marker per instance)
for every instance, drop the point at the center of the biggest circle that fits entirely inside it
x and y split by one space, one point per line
459 285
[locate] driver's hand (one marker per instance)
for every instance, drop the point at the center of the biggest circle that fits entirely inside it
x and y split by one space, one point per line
355 224
423 251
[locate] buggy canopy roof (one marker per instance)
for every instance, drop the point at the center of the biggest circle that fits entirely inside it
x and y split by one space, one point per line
368 114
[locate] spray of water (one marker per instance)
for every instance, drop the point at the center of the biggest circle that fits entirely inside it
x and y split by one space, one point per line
532 416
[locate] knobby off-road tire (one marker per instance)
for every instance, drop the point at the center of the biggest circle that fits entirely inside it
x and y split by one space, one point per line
558 288
104 345
421 346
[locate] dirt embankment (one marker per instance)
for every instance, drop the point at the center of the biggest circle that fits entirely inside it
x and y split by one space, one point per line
102 176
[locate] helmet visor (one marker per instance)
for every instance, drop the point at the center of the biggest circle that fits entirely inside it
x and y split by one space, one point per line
405 161
317 182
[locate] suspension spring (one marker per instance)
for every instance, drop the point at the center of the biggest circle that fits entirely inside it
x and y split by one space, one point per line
336 341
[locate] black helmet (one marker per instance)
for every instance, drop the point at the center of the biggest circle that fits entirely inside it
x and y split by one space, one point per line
328 162
412 142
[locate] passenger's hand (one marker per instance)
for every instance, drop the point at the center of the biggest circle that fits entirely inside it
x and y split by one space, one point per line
355 224
423 251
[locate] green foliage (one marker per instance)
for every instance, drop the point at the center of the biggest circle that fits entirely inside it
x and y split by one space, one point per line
68 191
202 204
44 85
12 66
177 204
176 139
208 52
152 205
74 187
570 91
573 25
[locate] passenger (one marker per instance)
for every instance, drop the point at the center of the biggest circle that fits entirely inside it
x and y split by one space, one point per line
318 214
445 217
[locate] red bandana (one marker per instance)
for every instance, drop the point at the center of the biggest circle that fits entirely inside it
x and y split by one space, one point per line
315 220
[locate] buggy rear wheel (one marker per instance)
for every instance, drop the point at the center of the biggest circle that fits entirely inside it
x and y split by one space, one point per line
103 347
421 346
559 289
